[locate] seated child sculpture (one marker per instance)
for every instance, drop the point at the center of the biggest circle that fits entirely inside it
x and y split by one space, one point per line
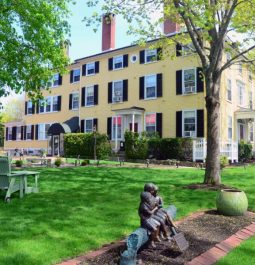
160 214
146 212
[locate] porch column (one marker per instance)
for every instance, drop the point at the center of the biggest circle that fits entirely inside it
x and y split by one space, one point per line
116 133
133 122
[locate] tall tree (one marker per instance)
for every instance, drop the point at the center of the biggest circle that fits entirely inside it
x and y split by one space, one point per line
209 25
32 43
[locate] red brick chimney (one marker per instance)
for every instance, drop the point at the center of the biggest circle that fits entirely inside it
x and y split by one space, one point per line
170 27
108 32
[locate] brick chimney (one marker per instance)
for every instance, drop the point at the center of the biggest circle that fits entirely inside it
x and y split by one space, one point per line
108 32
170 27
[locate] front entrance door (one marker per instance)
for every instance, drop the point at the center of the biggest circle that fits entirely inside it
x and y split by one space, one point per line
241 131
135 127
55 148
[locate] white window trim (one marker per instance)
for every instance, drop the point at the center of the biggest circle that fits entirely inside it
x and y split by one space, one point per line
113 96
229 100
17 133
183 89
87 74
9 130
156 88
75 82
52 84
75 93
88 119
145 56
229 116
149 113
113 131
113 65
27 132
45 104
44 132
86 91
187 110
29 101
242 104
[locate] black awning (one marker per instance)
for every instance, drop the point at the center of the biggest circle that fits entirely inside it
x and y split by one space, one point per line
69 126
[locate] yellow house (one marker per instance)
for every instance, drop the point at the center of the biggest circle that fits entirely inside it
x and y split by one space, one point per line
137 89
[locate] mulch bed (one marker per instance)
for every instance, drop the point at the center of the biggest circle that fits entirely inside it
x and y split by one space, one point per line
202 234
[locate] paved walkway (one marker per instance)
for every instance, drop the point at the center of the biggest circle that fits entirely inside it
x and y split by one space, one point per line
207 258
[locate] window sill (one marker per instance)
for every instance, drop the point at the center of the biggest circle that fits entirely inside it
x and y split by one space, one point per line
189 94
76 82
117 69
55 86
229 101
151 62
89 106
90 74
150 98
118 102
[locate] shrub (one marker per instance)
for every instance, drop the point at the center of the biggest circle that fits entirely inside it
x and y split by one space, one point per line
244 151
136 146
171 148
85 162
19 163
58 162
223 161
82 144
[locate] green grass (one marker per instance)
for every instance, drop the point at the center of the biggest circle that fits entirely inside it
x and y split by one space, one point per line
81 208
242 255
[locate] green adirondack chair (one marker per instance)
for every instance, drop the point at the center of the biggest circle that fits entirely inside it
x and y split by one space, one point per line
16 180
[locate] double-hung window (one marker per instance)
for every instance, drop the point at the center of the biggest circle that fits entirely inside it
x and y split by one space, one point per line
89 97
117 91
188 49
9 137
42 106
29 132
250 100
29 107
116 128
43 131
240 68
189 123
55 80
48 104
90 69
241 91
150 123
118 62
150 55
55 103
18 133
150 89
75 101
229 90
88 126
189 81
229 127
76 75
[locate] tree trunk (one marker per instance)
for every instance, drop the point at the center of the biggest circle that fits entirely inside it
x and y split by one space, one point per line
212 172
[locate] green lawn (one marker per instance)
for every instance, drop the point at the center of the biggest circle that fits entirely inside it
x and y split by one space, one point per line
242 255
81 208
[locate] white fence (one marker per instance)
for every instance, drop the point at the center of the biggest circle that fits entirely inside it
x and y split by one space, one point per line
227 148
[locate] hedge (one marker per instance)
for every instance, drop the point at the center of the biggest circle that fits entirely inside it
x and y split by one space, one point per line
170 148
82 144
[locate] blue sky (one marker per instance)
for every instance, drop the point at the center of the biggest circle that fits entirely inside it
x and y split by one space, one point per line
84 41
